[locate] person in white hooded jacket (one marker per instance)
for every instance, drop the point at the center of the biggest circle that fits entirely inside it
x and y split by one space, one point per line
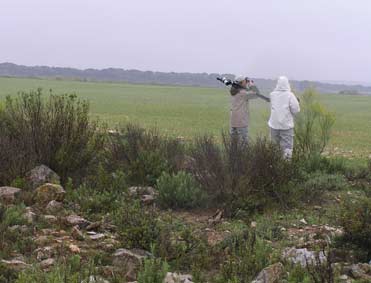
284 106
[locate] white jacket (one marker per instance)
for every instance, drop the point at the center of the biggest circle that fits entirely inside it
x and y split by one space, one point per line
284 106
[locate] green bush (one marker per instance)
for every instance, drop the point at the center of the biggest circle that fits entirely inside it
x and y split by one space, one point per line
14 240
241 176
70 271
143 154
100 194
313 125
318 183
247 257
55 131
356 220
153 271
178 191
137 226
181 246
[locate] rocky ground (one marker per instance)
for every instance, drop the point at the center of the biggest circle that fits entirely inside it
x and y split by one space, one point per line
56 230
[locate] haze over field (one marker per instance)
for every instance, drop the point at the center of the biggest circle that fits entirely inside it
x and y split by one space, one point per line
311 40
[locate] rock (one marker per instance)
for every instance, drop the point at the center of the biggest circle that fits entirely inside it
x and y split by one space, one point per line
16 265
44 253
48 192
54 207
270 274
77 234
8 194
360 271
29 215
74 249
129 261
217 217
302 256
42 240
146 194
47 263
41 175
75 220
18 228
303 221
148 199
94 225
97 237
50 218
177 278
95 279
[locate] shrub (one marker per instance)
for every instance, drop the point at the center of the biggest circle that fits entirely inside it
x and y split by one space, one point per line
356 220
318 183
178 191
181 246
143 154
247 257
100 194
55 132
137 226
242 176
71 270
14 240
313 125
153 270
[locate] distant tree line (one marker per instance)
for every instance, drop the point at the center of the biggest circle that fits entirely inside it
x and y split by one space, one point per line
161 78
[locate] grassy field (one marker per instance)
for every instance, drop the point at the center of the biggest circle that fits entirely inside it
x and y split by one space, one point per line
189 111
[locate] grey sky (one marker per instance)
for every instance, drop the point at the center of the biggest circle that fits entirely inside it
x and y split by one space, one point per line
304 39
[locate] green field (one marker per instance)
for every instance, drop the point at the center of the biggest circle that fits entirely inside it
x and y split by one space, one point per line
189 111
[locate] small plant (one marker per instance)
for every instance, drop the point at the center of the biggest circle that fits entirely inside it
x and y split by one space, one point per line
317 184
313 126
153 271
178 191
356 220
137 226
143 154
248 177
71 270
247 257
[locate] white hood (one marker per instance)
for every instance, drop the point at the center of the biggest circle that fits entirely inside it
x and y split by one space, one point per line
283 84
284 106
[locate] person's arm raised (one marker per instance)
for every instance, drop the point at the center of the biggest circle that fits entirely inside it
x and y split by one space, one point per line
254 92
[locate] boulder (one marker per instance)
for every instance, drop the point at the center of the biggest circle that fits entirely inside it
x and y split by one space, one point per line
54 207
146 194
302 256
177 278
41 175
270 274
74 249
45 253
48 192
360 271
129 261
76 220
50 219
8 194
29 215
95 279
45 264
77 234
15 264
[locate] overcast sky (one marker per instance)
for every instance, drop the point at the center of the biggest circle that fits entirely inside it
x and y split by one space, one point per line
306 39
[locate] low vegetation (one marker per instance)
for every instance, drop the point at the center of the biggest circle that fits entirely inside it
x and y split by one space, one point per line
215 208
